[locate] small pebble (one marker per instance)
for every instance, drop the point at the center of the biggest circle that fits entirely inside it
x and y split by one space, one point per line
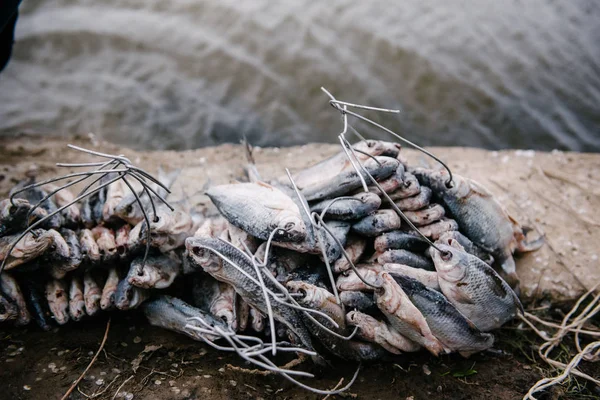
129 396
100 382
175 390
27 387
137 339
157 382
206 376
426 370
123 344
233 383
116 371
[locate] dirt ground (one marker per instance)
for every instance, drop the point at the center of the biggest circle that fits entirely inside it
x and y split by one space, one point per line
556 193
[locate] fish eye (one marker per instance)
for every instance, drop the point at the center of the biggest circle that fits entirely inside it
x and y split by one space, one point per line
302 292
129 208
199 251
289 226
446 255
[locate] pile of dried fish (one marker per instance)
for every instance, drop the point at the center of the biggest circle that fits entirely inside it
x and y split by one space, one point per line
361 256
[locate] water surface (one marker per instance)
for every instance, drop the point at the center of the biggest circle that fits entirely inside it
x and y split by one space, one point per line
186 73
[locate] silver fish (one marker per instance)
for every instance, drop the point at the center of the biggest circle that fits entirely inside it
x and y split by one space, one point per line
333 166
427 278
399 256
92 294
127 296
415 202
105 239
437 229
257 320
72 214
482 218
391 184
33 245
71 261
377 223
474 288
121 240
174 314
355 248
322 300
223 305
259 209
15 217
114 195
170 229
409 188
455 331
348 180
340 230
354 207
34 196
375 331
159 271
400 240
10 289
76 299
109 290
58 300
425 216
202 251
89 247
355 300
467 245
403 315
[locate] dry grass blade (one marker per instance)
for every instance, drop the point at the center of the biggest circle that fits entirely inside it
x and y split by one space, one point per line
74 385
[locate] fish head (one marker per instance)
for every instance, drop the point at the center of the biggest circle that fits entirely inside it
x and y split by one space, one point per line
290 228
124 295
129 209
450 262
390 296
307 294
366 323
17 209
349 280
202 255
59 248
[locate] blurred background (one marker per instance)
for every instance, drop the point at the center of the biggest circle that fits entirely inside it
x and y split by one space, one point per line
179 74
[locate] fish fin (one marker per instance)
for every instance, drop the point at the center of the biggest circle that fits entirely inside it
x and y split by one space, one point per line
250 168
462 297
478 188
525 246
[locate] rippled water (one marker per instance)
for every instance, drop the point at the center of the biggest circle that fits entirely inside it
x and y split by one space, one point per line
186 73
